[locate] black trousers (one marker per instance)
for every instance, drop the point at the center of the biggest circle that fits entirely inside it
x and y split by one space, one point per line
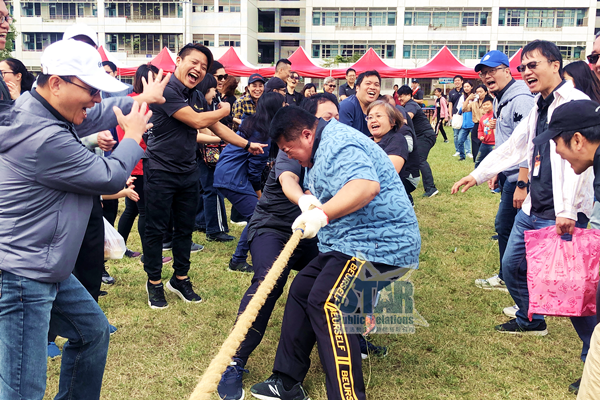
167 193
265 248
439 127
310 315
132 210
110 209
90 260
475 142
425 143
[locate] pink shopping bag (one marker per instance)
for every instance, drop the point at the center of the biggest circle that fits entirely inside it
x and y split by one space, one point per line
562 276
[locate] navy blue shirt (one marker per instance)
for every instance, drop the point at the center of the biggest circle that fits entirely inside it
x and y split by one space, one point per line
352 115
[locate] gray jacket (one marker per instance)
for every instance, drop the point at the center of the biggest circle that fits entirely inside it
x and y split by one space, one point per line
47 181
514 106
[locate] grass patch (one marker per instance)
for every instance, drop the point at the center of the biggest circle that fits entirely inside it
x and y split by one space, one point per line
159 354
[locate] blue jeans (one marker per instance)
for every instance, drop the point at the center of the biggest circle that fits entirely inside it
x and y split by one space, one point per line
505 217
463 145
514 268
245 203
28 310
455 134
484 150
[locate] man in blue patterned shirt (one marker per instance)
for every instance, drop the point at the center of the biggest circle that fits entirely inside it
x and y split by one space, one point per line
365 216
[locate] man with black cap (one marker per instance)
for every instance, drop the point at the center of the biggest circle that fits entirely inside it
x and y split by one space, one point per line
246 105
276 85
557 196
417 92
512 103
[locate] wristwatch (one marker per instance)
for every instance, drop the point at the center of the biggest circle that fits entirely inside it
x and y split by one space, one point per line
247 146
522 184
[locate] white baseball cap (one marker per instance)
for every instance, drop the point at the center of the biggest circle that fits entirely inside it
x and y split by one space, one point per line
81 29
75 58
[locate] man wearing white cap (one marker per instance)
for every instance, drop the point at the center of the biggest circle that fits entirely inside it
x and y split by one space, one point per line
83 33
49 180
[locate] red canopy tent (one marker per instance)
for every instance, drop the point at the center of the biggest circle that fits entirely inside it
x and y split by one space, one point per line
515 61
234 66
102 54
162 60
302 65
443 64
371 61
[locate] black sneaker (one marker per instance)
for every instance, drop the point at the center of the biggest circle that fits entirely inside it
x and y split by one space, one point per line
219 237
167 246
273 389
574 387
132 254
156 296
431 192
513 328
183 289
107 279
367 348
240 267
196 248
230 386
102 293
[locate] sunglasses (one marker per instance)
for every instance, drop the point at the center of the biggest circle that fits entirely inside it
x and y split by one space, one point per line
92 91
222 77
531 65
593 58
332 86
294 77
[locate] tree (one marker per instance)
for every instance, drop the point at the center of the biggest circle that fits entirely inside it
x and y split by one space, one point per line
10 42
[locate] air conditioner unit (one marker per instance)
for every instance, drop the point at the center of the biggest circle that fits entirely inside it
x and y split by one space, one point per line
108 38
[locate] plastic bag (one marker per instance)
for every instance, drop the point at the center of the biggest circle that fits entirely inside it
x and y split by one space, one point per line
457 121
562 275
114 245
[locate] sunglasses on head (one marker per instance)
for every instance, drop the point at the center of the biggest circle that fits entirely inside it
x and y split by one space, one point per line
531 65
593 58
222 77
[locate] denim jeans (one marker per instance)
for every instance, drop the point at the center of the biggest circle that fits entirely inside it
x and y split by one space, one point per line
505 217
484 150
28 310
455 134
464 142
245 203
211 213
514 268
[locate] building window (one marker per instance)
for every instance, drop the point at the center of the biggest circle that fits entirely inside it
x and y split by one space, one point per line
203 6
207 39
350 49
142 11
229 5
354 17
143 43
426 51
444 18
542 18
229 40
37 41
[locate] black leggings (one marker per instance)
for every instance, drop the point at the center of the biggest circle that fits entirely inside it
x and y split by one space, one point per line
439 127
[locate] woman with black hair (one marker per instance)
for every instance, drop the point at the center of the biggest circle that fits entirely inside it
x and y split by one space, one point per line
583 78
308 90
474 104
238 173
16 76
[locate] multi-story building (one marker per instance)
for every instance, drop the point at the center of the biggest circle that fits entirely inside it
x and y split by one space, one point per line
402 33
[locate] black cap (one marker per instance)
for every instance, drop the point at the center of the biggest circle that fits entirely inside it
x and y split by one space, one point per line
415 81
571 117
274 83
255 78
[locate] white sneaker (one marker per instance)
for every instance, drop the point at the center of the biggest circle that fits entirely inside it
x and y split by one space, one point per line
511 312
241 223
493 283
456 154
469 155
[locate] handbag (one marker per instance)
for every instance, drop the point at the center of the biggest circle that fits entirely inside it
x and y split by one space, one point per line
562 275
114 244
457 120
467 121
211 153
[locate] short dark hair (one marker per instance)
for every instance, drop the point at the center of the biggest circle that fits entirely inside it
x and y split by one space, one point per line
485 89
367 74
487 98
350 70
289 122
206 84
311 103
142 72
110 64
458 76
592 134
396 85
215 66
437 89
547 49
42 79
188 48
404 89
281 62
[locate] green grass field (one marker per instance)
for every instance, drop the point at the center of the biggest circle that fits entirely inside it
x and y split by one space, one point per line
160 354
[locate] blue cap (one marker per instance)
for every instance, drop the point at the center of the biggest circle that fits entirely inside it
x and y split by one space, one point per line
492 59
256 78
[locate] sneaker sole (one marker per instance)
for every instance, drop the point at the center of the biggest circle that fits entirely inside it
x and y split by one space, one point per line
526 333
107 283
219 240
237 270
196 251
265 397
434 193
178 293
492 288
150 304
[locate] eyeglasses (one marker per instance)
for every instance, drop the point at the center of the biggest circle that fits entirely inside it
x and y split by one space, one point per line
222 77
531 65
6 72
332 86
490 72
92 91
6 18
593 58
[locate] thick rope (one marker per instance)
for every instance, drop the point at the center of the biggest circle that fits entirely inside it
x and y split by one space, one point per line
210 380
